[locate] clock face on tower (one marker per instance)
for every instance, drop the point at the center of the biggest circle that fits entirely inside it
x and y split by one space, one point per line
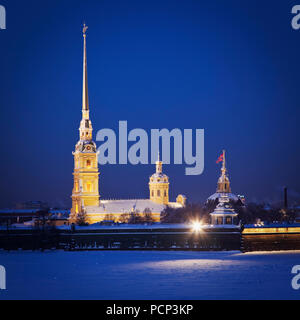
89 148
86 146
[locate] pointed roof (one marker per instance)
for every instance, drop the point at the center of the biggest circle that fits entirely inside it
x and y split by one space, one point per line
85 94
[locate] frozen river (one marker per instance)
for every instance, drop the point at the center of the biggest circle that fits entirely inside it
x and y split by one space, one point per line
149 275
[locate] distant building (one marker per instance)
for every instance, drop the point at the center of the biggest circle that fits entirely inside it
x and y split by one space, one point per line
32 205
55 217
85 195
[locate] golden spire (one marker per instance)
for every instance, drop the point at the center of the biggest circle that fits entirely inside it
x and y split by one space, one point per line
223 170
85 124
85 94
158 164
223 182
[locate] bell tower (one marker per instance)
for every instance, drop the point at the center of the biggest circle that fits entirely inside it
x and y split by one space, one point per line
159 185
86 174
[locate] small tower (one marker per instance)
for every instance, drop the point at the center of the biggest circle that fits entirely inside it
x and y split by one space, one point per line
86 174
223 182
224 214
159 185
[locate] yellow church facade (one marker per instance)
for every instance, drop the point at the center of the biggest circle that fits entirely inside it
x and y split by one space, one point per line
86 203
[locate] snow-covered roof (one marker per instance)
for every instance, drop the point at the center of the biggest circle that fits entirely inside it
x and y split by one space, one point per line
218 195
127 206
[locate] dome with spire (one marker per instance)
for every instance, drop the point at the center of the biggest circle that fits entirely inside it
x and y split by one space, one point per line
159 185
223 187
159 176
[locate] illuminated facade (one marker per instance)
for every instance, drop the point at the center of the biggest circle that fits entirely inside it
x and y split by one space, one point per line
86 204
159 185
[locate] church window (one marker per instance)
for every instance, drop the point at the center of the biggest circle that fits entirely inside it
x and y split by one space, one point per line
88 187
152 193
158 193
165 193
88 163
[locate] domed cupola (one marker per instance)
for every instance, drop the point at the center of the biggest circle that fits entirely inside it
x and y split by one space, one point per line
159 185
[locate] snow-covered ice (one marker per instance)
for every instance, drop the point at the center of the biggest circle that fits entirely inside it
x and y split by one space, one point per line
149 275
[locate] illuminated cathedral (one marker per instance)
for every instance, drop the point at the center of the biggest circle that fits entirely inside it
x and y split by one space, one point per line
85 195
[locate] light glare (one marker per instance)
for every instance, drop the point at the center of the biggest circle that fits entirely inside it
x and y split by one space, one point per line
197 226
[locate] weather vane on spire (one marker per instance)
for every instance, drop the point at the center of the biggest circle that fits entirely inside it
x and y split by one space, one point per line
85 27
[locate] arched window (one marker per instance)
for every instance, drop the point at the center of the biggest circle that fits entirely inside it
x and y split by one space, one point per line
165 193
152 193
158 193
88 163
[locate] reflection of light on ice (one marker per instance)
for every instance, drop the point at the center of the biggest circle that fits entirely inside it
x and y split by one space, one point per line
185 265
131 275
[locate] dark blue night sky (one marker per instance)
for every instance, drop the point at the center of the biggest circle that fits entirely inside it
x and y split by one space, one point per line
230 67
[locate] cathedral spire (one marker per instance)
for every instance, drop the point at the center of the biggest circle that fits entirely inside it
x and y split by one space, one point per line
85 124
86 174
85 94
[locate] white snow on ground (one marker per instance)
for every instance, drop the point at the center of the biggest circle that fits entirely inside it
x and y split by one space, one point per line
149 275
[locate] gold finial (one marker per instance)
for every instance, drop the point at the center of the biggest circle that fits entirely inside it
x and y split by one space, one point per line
85 27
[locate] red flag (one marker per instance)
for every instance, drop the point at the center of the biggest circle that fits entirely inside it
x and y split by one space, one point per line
220 159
